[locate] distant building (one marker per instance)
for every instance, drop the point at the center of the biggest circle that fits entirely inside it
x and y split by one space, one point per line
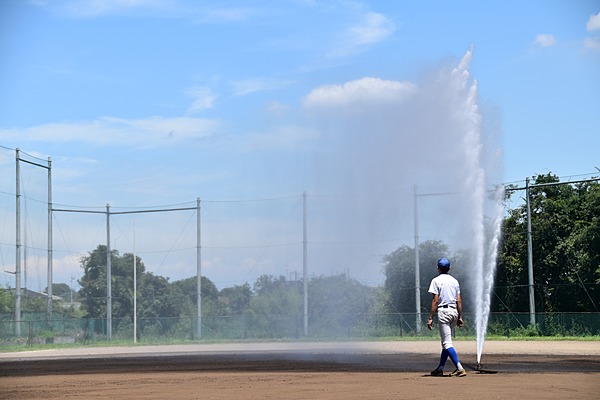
32 294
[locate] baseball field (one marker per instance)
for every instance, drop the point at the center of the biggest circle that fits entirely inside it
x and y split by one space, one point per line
329 370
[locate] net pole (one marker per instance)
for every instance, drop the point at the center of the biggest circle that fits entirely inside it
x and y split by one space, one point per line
18 250
198 272
417 262
108 278
50 278
305 265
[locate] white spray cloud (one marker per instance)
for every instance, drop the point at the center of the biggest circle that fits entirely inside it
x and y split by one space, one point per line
381 138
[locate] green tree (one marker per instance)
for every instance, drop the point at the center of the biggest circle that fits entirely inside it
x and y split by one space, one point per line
159 305
7 301
337 294
277 296
276 306
189 289
565 220
511 293
61 290
93 283
236 299
157 298
337 305
399 270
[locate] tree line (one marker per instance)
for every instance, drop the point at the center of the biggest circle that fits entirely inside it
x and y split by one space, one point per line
565 225
157 297
565 222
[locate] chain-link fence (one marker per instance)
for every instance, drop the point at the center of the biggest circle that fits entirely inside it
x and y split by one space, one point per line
36 330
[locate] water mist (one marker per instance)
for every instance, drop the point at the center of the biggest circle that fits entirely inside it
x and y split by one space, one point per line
485 202
378 139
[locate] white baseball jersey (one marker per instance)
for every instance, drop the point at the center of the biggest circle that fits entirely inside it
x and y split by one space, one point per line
446 287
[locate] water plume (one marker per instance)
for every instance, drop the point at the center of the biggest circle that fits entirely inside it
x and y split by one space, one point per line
383 137
486 203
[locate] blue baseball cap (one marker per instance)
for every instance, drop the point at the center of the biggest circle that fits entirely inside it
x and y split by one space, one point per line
443 263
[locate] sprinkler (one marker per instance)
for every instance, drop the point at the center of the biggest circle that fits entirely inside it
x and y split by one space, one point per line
481 370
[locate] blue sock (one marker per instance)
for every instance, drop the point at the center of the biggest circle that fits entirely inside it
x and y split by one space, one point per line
443 358
454 357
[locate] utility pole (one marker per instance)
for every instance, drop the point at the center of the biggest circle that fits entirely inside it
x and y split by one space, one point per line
18 251
18 291
304 264
198 272
108 278
134 289
50 279
71 289
530 257
417 272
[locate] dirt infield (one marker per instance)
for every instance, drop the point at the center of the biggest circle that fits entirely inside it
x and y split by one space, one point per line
390 370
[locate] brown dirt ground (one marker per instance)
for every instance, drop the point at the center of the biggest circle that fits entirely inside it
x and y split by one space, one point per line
306 373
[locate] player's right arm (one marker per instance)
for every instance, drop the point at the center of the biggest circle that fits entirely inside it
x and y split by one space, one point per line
460 321
434 306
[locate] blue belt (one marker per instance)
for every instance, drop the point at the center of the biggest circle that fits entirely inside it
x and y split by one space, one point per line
448 306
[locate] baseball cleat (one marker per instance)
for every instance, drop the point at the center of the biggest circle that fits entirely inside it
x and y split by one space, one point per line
459 373
437 372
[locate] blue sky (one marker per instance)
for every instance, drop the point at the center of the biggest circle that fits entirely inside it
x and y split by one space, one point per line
143 103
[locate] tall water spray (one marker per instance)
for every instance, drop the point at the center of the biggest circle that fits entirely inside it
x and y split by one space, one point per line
485 204
382 137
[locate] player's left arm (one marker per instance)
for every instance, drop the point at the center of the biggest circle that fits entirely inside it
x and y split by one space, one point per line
460 321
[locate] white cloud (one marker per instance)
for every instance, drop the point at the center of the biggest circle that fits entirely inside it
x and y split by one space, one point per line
147 132
545 40
373 28
593 23
203 99
276 107
157 8
372 90
229 14
247 86
592 43
98 8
